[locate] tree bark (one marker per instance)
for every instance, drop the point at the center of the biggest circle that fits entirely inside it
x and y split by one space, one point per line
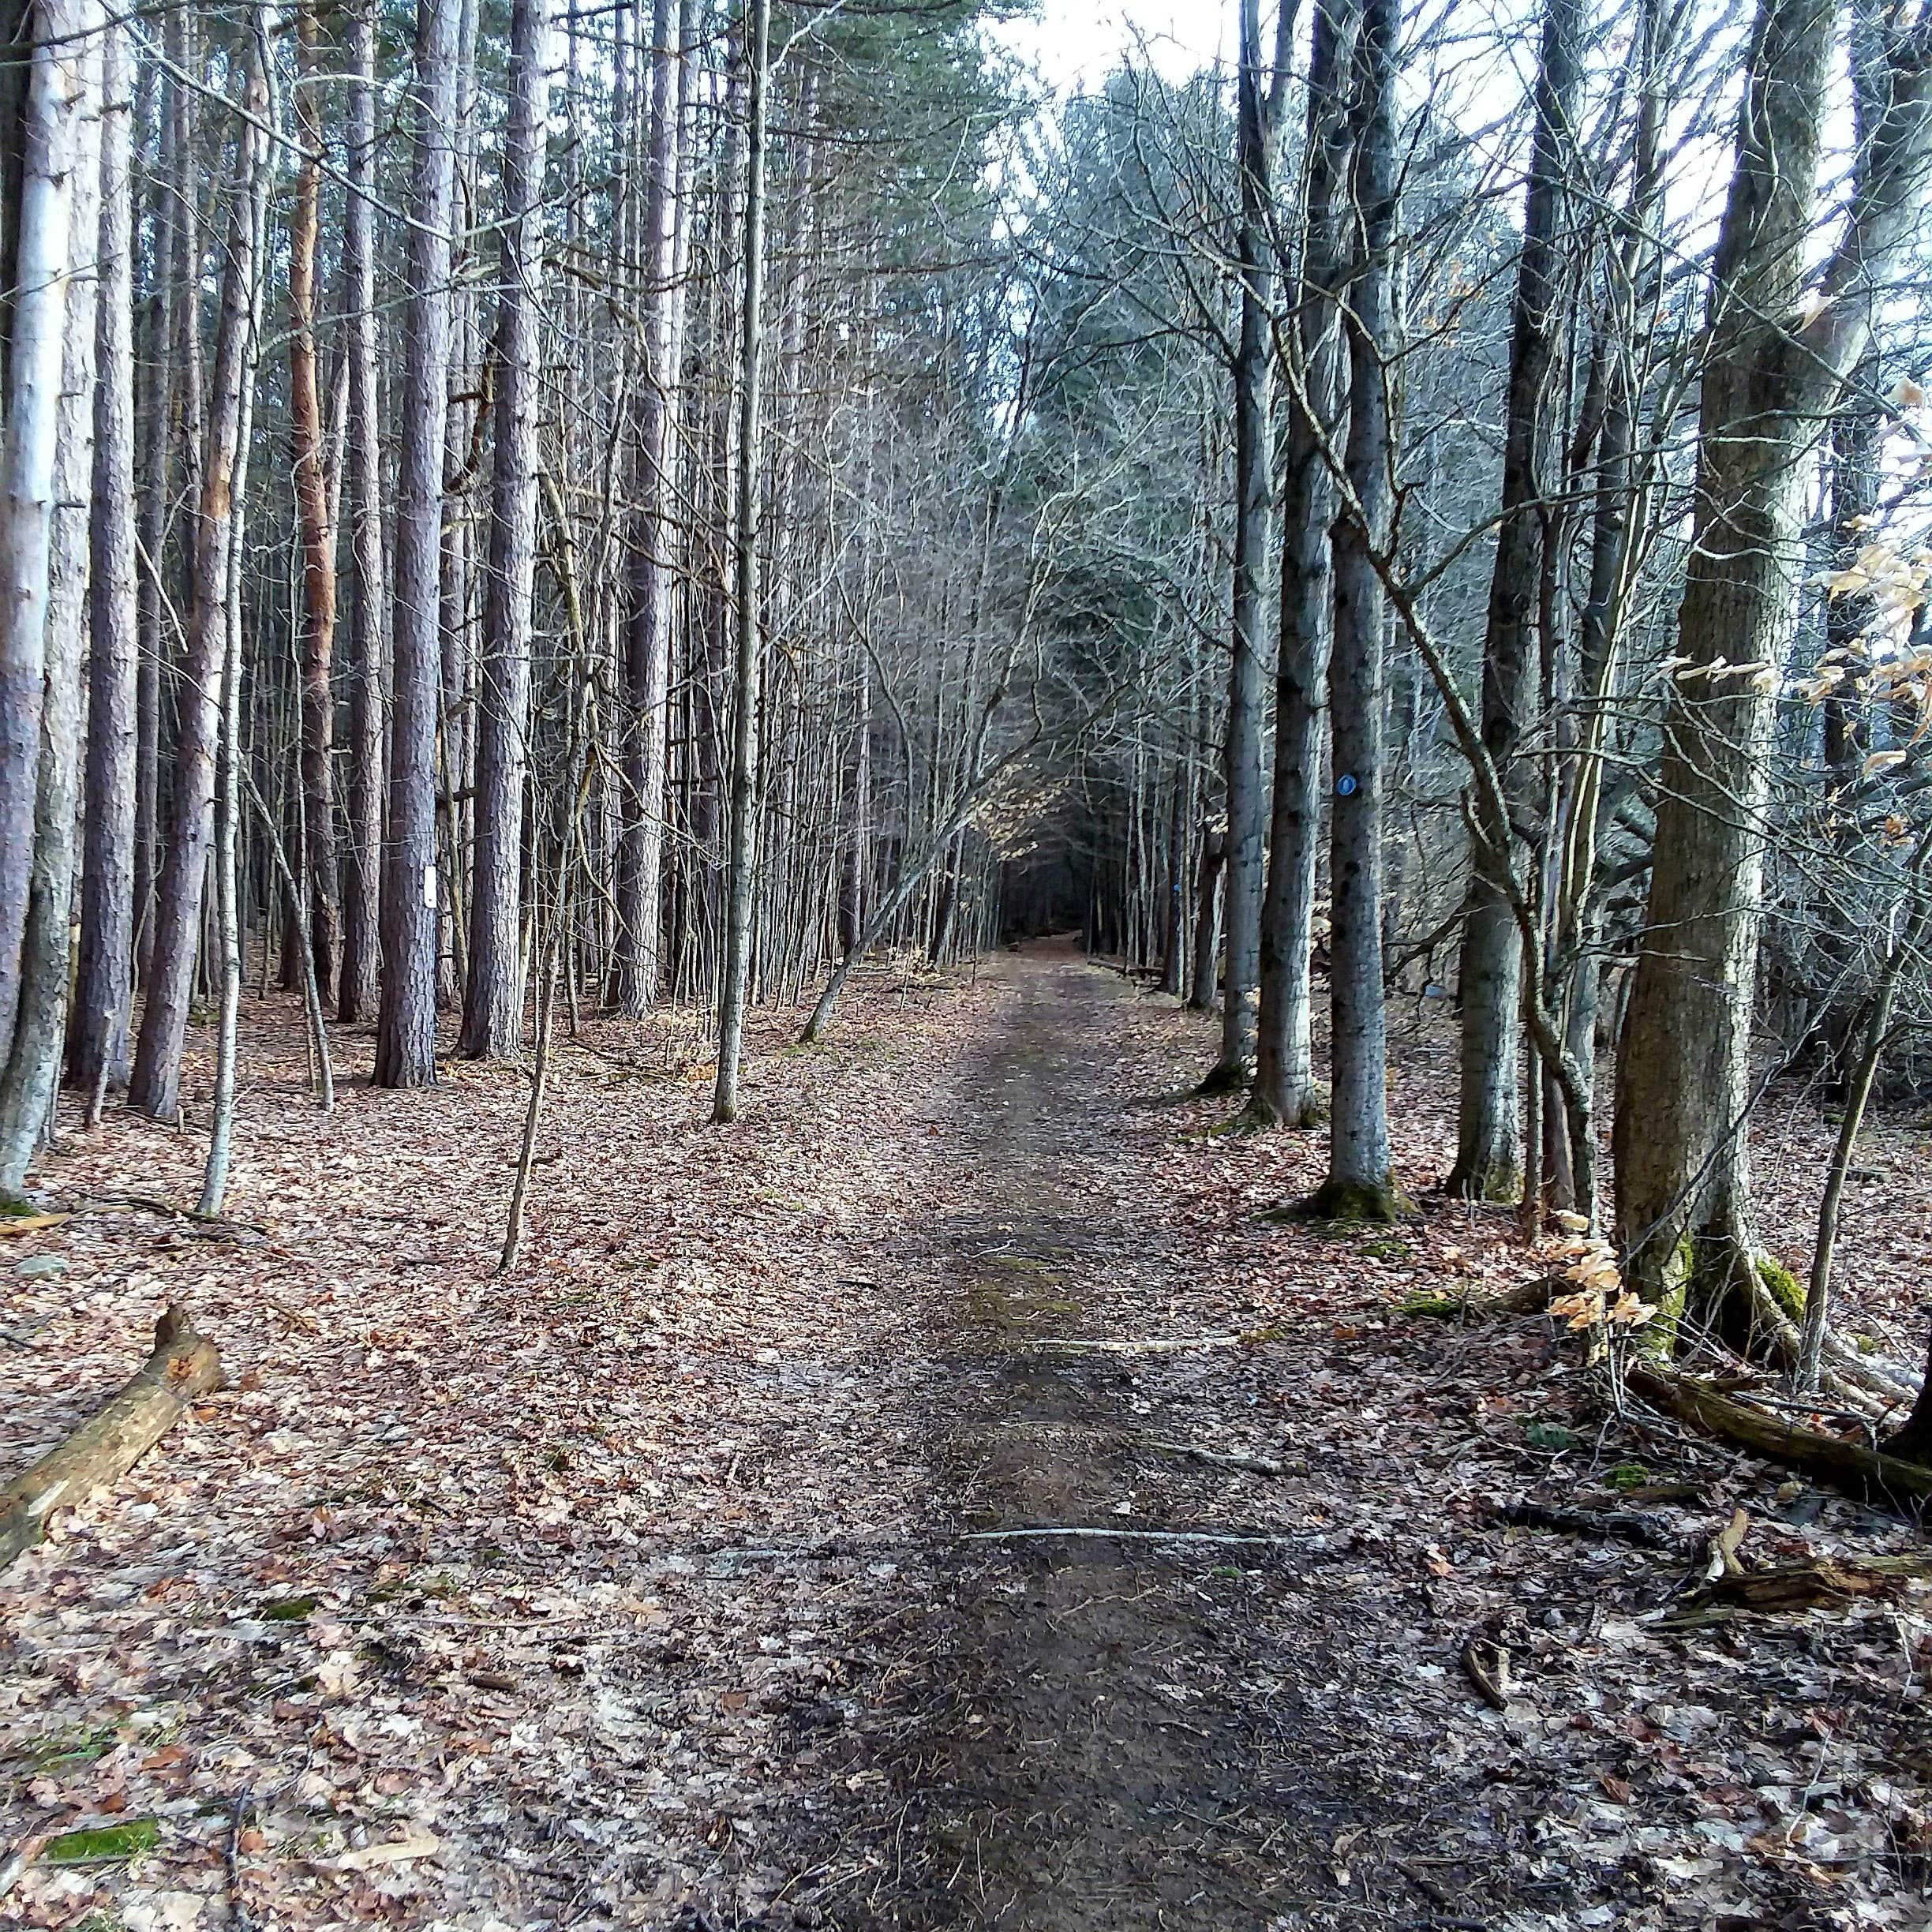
1285 1089
405 1036
312 511
493 996
32 1065
356 993
1258 115
155 1085
99 1059
1682 1185
640 859
1360 1184
1488 1164
48 132
734 973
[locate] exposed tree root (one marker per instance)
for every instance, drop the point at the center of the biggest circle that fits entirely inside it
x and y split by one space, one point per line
110 1442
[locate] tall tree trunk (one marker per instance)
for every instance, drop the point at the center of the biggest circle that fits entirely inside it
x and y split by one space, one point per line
1259 110
640 873
493 998
56 101
1683 1185
406 1037
734 977
33 1065
99 1060
226 944
155 1085
157 476
312 511
356 994
1284 1088
1360 1184
1488 1163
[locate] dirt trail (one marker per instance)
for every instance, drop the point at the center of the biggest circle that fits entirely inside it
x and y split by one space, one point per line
1098 1767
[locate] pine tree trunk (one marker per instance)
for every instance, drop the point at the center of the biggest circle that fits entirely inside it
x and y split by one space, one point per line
99 1059
155 1084
356 995
640 868
493 996
312 512
734 977
406 1037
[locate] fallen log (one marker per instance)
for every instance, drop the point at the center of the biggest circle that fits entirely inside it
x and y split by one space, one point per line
1847 1465
111 1441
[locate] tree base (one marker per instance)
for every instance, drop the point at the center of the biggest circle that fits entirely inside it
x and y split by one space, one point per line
1224 1078
1378 1201
1497 1181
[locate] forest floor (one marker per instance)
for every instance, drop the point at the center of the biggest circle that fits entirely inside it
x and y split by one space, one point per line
671 1580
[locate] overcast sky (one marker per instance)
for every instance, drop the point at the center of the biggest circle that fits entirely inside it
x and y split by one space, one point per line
1074 42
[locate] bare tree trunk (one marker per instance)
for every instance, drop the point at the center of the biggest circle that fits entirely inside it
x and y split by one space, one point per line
406 1039
357 993
227 945
1683 1185
99 1061
1284 1088
1361 1184
1259 112
734 978
56 99
155 1085
640 874
32 1067
157 452
312 512
493 996
1488 1164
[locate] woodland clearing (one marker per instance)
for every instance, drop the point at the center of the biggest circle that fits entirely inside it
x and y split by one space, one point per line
670 1580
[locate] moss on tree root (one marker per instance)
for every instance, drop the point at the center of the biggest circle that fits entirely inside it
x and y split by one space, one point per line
1380 1201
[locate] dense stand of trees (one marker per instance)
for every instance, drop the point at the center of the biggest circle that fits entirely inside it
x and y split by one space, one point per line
650 503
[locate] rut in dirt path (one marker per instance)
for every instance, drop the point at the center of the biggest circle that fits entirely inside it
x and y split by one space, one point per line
1097 1764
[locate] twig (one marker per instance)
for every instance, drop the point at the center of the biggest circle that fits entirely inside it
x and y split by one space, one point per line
240 1919
1073 1530
1157 1347
1490 1678
1258 1466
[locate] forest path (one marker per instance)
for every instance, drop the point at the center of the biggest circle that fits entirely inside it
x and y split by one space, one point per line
1101 1758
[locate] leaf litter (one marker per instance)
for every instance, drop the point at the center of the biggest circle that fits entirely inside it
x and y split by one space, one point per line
635 1588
